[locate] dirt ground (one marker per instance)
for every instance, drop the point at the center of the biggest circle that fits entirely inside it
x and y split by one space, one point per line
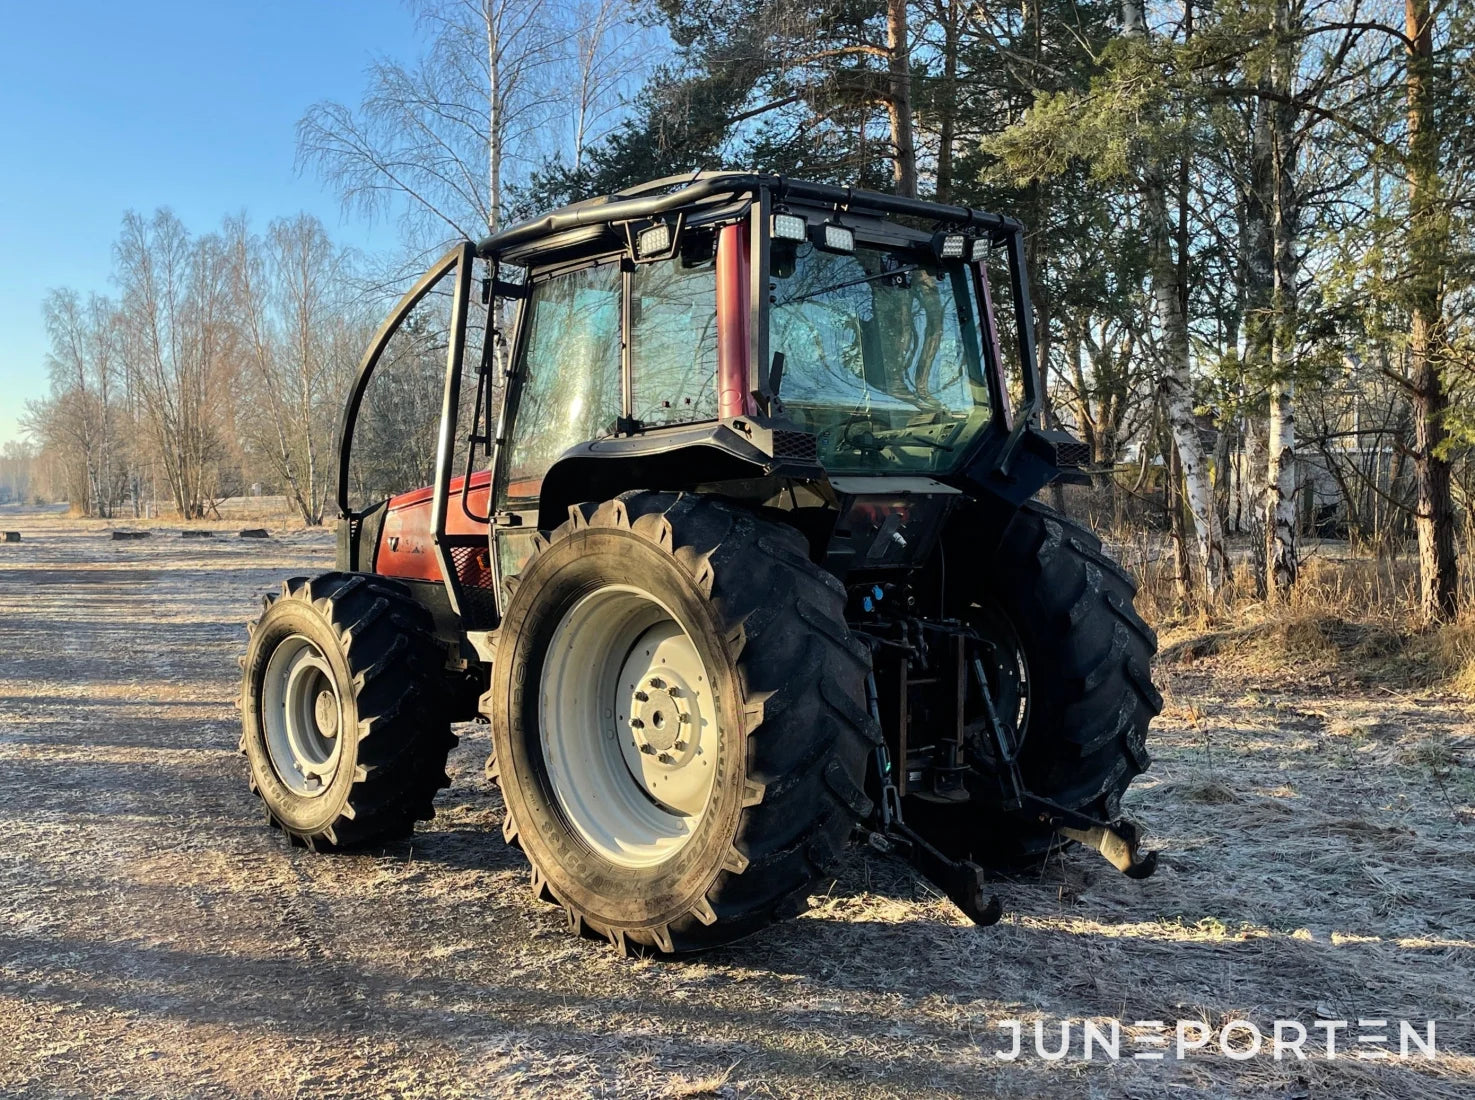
157 939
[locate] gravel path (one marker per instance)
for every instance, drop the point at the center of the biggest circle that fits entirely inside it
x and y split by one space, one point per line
157 939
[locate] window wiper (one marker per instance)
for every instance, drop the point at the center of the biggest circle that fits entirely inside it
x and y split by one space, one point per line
916 441
868 440
903 270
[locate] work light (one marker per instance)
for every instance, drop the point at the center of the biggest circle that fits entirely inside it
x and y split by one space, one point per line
655 240
834 237
789 227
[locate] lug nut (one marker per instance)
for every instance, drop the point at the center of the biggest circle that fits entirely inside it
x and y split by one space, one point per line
637 724
642 697
657 683
666 758
679 746
647 749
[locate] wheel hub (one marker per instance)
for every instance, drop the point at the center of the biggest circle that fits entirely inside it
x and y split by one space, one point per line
661 718
325 713
665 681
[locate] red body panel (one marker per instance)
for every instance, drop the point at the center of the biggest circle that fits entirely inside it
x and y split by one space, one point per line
405 545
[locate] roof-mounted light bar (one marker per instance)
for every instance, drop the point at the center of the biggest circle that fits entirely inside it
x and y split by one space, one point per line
952 245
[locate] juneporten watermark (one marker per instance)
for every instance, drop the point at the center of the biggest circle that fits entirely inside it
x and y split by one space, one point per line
1159 1040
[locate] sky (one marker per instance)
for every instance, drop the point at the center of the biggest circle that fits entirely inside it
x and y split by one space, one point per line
118 106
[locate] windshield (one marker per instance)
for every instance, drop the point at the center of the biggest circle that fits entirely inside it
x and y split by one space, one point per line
881 357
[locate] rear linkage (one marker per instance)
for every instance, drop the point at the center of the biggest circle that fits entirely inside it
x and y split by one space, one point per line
962 880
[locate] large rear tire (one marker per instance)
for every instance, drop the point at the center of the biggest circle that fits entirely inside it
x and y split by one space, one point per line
679 721
344 716
1059 608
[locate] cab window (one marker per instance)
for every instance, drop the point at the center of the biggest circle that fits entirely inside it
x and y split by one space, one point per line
570 361
673 342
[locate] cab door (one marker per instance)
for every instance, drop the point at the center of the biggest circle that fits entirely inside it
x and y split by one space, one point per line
565 388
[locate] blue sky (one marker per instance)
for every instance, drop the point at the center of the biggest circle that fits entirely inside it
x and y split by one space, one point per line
109 107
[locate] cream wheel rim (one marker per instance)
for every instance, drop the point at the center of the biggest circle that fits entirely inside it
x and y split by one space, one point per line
301 716
628 726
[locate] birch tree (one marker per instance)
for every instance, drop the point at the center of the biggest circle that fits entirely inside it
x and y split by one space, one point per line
1170 303
431 140
1274 227
292 300
82 420
178 344
503 85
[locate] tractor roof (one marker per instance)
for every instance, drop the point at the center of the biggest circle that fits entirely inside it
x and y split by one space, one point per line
714 190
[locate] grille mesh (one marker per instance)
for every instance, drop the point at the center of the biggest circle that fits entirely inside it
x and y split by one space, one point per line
472 566
795 446
1072 454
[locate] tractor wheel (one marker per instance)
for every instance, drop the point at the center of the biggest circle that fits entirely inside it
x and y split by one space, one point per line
1070 672
679 721
342 710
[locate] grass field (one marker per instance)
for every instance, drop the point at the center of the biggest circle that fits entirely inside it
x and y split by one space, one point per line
1317 839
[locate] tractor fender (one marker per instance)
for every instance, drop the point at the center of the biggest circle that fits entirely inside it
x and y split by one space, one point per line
679 458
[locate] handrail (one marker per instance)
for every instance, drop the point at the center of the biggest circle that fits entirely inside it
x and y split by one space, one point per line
371 360
464 256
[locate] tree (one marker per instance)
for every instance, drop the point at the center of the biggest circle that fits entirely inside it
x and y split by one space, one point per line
17 462
1428 233
178 341
1123 126
299 342
503 86
81 421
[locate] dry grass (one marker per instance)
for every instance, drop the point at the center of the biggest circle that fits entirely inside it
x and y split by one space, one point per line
229 514
1353 616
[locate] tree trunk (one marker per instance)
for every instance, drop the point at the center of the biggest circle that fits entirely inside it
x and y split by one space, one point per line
491 15
1280 520
899 100
1182 558
1175 386
948 109
1434 508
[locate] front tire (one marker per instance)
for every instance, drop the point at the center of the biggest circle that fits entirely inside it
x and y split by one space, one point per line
679 721
343 710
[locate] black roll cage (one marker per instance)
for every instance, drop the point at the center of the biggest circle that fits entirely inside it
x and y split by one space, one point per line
623 212
650 201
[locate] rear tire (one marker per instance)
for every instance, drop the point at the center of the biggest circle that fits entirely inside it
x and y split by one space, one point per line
763 671
343 710
1087 656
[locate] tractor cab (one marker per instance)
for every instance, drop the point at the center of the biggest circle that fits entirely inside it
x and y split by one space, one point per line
741 333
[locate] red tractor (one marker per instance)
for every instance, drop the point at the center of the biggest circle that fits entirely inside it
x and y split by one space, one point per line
732 540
